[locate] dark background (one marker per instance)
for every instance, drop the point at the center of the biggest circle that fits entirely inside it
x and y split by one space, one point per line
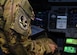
43 5
40 5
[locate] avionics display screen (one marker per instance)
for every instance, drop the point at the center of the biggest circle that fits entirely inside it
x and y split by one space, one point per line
71 41
69 49
61 22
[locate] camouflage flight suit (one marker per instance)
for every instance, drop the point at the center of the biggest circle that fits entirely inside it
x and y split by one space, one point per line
15 17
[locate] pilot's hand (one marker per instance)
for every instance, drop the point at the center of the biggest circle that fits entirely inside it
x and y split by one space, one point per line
53 47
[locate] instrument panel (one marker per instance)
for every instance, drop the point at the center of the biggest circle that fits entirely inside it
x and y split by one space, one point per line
63 19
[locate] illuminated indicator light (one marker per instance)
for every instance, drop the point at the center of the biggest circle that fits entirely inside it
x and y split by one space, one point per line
71 41
69 49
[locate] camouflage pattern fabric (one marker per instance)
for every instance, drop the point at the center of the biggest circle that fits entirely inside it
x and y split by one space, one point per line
40 46
17 14
15 29
2 2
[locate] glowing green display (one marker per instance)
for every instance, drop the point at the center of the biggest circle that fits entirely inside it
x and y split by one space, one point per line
71 41
69 49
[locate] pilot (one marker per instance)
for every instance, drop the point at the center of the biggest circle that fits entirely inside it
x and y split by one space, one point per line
15 28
